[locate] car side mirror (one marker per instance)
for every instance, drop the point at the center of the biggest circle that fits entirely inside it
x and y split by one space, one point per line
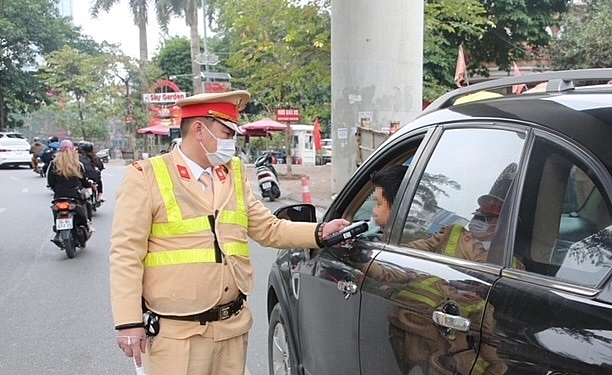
298 212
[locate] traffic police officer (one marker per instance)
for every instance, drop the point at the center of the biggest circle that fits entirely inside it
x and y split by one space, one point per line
179 246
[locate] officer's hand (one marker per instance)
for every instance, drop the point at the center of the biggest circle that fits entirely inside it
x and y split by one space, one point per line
334 226
133 342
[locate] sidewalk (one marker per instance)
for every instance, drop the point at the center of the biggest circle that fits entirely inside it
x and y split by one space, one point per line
320 183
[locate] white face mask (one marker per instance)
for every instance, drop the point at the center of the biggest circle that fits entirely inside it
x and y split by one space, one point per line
226 148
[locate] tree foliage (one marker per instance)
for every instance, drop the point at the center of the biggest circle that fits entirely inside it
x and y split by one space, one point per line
280 51
79 87
29 29
519 30
445 29
585 38
174 60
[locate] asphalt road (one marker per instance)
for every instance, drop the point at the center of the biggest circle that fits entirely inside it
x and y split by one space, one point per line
55 312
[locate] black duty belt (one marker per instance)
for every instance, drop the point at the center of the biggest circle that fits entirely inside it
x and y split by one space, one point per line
220 312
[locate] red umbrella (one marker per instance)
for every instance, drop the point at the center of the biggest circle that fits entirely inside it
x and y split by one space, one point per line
262 128
155 129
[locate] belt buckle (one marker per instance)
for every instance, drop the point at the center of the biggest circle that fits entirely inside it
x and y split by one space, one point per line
224 312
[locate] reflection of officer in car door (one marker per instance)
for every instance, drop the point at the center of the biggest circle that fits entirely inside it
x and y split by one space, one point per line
419 346
416 342
473 243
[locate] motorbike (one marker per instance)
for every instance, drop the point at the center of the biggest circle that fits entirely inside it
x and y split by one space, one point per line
103 155
40 167
92 198
267 178
72 229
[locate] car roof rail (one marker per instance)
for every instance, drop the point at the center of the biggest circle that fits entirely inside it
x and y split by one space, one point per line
556 81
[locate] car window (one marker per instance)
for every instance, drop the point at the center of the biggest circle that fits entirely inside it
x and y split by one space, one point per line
565 225
461 192
357 201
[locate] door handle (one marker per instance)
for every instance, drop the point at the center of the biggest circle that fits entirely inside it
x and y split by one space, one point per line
451 321
295 284
348 288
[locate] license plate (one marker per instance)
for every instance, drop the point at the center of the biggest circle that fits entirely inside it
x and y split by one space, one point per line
62 224
266 185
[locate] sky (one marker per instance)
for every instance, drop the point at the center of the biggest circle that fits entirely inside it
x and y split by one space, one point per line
117 27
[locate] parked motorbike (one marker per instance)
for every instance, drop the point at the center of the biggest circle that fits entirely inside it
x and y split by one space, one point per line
267 178
71 227
103 155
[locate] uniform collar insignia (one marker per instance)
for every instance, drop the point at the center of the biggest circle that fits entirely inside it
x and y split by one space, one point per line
183 172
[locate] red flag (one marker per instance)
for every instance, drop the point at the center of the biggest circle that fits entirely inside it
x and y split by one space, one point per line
461 70
317 134
517 89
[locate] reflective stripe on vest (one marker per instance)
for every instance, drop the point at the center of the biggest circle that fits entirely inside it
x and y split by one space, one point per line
453 241
426 286
176 225
481 365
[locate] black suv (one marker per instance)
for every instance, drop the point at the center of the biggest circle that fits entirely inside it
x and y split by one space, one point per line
426 294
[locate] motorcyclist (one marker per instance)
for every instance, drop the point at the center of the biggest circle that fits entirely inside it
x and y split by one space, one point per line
49 152
66 177
93 165
35 149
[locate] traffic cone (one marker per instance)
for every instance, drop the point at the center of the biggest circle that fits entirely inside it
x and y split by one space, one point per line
305 192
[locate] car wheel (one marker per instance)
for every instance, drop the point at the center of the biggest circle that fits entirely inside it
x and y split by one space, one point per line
280 358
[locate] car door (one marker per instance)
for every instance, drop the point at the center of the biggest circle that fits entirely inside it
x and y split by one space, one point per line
327 281
423 298
555 315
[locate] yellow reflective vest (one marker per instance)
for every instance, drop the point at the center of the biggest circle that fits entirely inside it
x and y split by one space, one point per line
162 242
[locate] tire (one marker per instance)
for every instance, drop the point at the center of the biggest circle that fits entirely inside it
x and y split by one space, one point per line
280 348
271 196
70 247
275 191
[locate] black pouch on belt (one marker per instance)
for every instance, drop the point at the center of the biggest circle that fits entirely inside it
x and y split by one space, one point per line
151 323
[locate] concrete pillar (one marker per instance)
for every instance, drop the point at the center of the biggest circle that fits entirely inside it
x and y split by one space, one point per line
377 71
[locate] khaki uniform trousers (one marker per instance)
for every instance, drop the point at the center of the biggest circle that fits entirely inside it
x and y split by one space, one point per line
197 354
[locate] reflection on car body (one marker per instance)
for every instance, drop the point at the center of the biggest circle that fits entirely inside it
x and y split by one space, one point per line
538 297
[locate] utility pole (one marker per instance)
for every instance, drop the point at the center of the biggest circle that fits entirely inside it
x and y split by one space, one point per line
377 73
206 61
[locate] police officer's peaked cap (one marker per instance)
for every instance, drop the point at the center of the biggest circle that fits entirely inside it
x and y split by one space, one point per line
225 107
491 203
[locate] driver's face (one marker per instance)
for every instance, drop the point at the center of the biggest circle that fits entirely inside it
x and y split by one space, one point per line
382 209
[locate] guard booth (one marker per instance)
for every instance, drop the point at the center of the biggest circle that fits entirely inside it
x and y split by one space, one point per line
302 146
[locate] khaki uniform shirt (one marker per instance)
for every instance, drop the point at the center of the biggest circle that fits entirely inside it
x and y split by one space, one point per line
188 291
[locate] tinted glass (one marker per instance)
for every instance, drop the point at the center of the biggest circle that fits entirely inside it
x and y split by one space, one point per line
565 226
462 191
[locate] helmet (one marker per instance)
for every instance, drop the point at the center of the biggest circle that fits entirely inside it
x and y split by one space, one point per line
52 139
36 139
86 146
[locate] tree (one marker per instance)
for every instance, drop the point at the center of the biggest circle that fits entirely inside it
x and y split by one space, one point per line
80 90
519 30
280 51
174 61
29 29
584 41
445 29
189 10
139 10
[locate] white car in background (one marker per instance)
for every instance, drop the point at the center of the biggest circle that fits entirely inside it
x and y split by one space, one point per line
14 150
325 155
